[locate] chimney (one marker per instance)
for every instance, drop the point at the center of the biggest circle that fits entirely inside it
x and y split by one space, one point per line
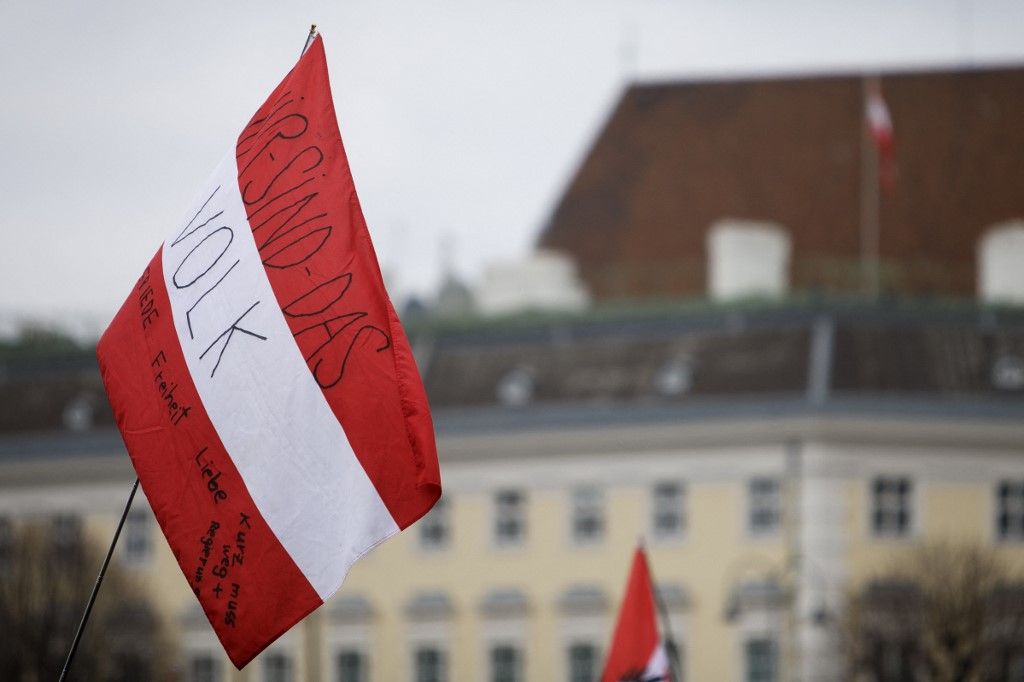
747 258
1000 260
543 281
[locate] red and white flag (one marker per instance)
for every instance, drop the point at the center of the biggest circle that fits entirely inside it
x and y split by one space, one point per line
637 653
879 122
262 382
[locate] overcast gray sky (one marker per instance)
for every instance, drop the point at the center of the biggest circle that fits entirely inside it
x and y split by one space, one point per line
463 119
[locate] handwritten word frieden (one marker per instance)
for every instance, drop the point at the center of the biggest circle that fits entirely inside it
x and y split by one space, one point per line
147 307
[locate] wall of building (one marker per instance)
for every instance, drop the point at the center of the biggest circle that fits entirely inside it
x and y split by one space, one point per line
822 546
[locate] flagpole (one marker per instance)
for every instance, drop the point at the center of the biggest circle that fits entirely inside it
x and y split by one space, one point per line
99 580
666 626
309 39
869 198
670 641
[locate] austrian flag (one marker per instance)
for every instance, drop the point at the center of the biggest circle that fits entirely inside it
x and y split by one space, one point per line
637 653
261 381
879 122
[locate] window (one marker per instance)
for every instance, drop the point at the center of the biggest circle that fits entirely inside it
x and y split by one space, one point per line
668 519
137 537
431 665
506 664
761 660
203 668
509 521
765 506
890 506
66 535
583 663
587 515
434 527
351 666
6 543
277 668
1010 510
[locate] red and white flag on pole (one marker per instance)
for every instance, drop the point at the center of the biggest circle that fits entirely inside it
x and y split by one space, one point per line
879 122
637 653
262 383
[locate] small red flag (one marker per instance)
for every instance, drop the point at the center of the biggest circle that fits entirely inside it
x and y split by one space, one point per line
879 122
637 653
262 383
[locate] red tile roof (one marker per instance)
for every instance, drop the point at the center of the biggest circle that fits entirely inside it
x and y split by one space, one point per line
674 158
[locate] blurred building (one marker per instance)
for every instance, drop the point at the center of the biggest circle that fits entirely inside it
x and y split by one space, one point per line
675 159
545 281
774 456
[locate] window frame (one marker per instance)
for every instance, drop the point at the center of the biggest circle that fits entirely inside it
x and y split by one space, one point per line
773 652
756 505
439 517
587 504
505 513
906 501
660 501
441 672
1014 533
66 528
8 541
199 657
358 655
518 662
288 669
595 662
138 537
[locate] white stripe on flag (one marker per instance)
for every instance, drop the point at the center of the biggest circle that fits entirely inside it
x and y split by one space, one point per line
260 395
657 666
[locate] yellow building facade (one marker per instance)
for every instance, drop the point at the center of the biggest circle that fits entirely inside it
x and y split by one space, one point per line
756 528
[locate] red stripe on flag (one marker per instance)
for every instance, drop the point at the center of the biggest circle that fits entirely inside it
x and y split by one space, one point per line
301 202
248 585
635 640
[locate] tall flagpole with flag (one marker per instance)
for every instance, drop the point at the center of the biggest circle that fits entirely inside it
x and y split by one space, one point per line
878 175
637 652
262 383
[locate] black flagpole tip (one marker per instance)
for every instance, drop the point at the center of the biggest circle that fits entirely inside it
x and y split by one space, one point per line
309 39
